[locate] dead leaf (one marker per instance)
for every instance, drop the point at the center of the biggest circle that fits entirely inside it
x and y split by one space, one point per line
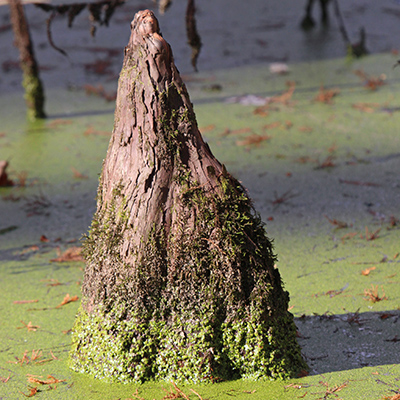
305 159
283 198
29 249
327 163
349 235
77 174
33 391
367 271
207 128
358 183
58 122
68 299
337 223
5 380
305 129
50 380
29 326
386 316
22 176
71 254
371 82
373 295
285 97
24 301
235 131
366 107
370 235
20 361
52 282
326 95
273 125
394 397
92 131
253 139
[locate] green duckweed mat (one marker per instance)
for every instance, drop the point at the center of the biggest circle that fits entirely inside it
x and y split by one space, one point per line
320 160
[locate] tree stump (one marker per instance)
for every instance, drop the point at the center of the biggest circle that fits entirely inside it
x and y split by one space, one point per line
180 282
34 93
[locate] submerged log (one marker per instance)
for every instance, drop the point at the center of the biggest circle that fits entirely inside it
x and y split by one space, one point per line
180 280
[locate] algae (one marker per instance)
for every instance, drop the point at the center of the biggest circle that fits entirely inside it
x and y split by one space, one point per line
313 259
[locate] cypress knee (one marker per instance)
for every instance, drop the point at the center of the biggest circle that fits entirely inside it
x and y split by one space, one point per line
180 282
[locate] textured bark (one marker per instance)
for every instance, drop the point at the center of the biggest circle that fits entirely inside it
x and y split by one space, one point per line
34 94
180 280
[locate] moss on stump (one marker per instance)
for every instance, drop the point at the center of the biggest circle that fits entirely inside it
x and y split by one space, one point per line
180 282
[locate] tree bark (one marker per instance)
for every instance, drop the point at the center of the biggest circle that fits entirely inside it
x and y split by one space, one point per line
34 94
180 280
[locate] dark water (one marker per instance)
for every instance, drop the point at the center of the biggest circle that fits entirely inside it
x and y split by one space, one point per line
233 33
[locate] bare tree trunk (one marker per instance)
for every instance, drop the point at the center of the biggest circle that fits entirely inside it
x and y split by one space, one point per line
180 280
32 84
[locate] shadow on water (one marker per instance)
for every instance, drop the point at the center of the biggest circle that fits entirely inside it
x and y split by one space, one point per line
354 340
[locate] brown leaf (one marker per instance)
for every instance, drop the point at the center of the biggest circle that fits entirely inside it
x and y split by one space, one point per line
20 361
371 235
371 82
33 391
236 131
207 128
24 301
366 107
92 131
358 183
44 239
373 295
71 254
29 326
285 97
283 198
305 159
326 96
77 174
52 282
327 163
367 271
349 235
68 299
253 139
272 125
337 223
305 129
5 380
29 249
58 122
394 397
50 380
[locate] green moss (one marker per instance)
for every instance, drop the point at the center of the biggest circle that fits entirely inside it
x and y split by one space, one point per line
216 312
197 301
34 96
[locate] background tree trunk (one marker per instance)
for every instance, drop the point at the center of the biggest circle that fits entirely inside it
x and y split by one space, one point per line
180 280
34 94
